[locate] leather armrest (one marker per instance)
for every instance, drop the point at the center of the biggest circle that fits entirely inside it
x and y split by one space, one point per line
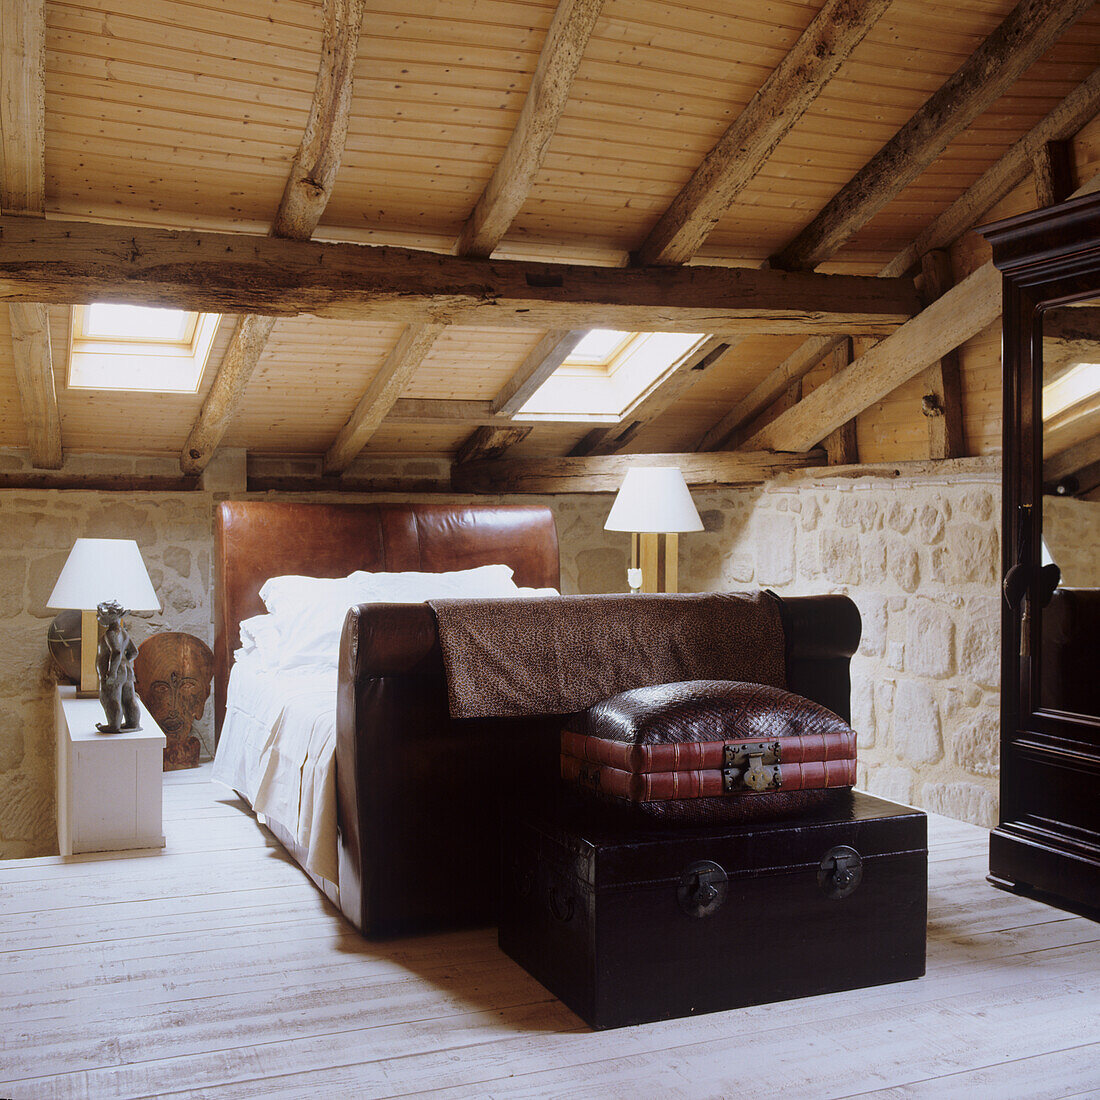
388 639
820 627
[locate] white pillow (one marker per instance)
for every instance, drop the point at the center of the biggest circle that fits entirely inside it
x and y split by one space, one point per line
307 613
292 592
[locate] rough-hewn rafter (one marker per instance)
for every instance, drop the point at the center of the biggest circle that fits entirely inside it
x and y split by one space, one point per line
794 368
23 191
510 183
387 384
1053 172
1027 32
948 322
234 273
1078 108
943 381
744 148
604 474
541 362
305 196
1071 460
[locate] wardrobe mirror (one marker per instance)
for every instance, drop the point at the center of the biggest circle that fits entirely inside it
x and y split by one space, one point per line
1069 668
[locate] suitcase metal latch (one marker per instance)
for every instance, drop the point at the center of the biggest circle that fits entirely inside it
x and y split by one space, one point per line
703 888
755 766
841 871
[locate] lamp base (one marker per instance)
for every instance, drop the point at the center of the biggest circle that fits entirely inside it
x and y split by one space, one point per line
89 644
658 557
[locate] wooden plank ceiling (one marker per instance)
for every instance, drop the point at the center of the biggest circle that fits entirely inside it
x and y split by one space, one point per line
194 114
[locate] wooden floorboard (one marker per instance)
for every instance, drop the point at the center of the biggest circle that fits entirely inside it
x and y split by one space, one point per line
215 968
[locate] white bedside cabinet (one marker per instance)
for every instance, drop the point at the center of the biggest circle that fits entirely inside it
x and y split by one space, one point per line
108 784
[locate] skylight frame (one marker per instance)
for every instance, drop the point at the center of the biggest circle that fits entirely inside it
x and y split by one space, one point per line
598 386
127 364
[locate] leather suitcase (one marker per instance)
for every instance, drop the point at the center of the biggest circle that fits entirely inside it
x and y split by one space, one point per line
709 750
629 924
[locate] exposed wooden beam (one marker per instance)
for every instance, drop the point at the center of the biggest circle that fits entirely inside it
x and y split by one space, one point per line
541 362
1027 32
226 392
308 187
1077 109
943 400
604 474
387 384
546 99
1074 112
73 262
1076 323
743 149
1069 461
313 173
842 445
786 400
23 191
490 442
23 106
32 358
795 367
1053 171
951 320
664 393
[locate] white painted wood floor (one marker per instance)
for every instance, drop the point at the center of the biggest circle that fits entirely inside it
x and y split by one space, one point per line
215 968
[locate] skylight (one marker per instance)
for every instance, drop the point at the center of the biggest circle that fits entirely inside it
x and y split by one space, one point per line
607 374
109 321
1080 382
121 347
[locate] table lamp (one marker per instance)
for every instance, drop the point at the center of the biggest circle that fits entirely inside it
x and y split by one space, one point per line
96 571
654 501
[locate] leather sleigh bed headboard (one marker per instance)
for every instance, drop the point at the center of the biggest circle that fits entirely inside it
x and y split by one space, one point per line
255 540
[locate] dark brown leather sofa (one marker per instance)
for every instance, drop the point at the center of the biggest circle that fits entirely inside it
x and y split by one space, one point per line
419 793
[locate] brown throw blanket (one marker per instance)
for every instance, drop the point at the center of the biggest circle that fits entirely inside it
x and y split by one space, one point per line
558 655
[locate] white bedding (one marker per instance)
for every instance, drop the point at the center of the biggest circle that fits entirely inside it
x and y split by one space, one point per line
278 749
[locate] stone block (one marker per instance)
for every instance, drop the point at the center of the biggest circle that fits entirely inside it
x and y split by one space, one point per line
26 810
863 711
973 554
776 536
980 648
811 514
120 521
13 572
885 691
930 524
41 577
929 640
978 743
899 517
178 558
978 502
962 801
840 558
895 784
903 563
11 742
858 511
873 558
895 655
601 570
740 566
872 610
917 734
226 472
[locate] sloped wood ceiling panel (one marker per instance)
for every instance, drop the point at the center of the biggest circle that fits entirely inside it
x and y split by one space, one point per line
188 113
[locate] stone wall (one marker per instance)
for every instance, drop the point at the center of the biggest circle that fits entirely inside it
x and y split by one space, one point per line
920 559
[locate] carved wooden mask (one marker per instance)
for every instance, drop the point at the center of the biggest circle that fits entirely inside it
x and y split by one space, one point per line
173 673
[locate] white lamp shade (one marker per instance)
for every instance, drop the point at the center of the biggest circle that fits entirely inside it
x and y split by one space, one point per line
98 570
656 499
